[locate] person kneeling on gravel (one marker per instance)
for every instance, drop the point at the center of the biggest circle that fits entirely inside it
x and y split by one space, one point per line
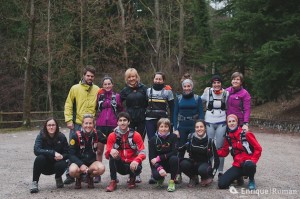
125 150
51 148
83 148
245 150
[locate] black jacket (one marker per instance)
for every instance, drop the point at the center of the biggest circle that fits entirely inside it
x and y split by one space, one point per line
136 101
200 150
164 148
47 146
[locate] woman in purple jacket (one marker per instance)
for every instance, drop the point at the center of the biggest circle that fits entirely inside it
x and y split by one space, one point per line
108 106
239 100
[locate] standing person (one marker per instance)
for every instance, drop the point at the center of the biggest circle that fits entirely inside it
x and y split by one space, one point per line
83 148
215 115
81 100
135 96
239 100
160 105
51 149
201 149
188 108
125 150
245 150
108 106
163 154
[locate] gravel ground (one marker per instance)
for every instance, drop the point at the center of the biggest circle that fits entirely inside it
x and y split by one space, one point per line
277 174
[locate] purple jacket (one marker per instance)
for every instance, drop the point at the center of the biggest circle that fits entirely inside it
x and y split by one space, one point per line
239 104
106 115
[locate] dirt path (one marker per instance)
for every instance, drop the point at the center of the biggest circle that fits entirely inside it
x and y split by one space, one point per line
277 176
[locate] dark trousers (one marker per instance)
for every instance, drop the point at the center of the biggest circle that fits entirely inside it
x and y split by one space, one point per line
151 128
184 132
170 166
46 166
123 168
139 127
247 169
192 168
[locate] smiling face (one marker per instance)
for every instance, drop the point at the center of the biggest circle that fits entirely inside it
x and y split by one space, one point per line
88 124
232 123
89 77
200 129
107 85
132 79
158 79
163 129
51 127
187 88
123 123
217 85
236 82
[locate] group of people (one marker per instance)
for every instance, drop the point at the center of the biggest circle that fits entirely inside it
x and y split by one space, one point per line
174 125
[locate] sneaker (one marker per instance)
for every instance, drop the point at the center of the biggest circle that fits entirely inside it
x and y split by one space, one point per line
59 182
193 181
138 179
131 183
69 180
160 182
152 180
178 179
112 186
97 179
240 181
171 186
90 181
78 183
251 185
34 187
206 182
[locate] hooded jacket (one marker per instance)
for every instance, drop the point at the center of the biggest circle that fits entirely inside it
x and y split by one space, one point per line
81 100
240 154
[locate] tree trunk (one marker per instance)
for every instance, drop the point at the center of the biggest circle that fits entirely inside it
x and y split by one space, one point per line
157 35
82 3
181 43
28 70
123 28
49 75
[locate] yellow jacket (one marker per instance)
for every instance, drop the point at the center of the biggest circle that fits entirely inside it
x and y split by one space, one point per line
84 98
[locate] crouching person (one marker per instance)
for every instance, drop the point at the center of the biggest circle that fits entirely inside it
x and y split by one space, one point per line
125 150
245 150
51 149
163 154
83 148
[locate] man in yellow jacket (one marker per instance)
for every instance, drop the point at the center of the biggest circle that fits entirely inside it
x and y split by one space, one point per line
81 100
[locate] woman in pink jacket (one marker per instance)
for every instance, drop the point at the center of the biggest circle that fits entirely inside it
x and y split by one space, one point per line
239 100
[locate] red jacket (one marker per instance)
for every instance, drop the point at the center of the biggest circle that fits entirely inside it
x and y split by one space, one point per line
240 154
126 153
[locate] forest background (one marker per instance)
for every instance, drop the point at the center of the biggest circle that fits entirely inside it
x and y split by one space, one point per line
46 43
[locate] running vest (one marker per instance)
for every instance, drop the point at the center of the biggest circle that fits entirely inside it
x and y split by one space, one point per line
157 107
208 149
113 102
210 105
119 144
247 147
82 141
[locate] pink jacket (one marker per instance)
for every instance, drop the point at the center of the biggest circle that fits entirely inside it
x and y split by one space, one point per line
238 103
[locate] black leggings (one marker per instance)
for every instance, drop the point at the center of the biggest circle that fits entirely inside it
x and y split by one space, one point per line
247 169
122 168
140 127
192 168
46 166
170 166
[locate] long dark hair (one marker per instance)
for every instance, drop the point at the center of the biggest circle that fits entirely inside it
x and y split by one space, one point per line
45 131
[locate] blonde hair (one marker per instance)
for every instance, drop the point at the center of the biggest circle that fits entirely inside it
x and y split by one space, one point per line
131 71
164 121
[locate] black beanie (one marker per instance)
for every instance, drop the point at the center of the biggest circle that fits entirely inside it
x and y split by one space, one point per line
216 78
